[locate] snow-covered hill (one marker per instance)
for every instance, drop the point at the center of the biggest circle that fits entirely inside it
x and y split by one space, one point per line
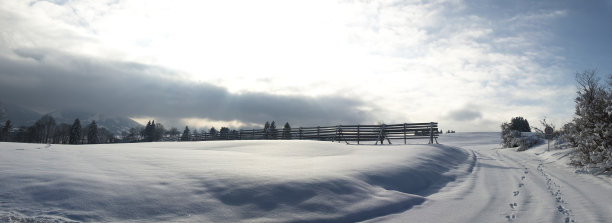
468 179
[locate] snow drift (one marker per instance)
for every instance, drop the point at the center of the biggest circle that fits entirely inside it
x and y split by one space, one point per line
224 181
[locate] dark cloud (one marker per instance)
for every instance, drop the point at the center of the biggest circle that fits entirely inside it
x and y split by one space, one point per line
47 79
466 114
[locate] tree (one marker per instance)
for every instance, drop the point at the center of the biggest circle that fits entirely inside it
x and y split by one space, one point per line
185 136
273 131
197 136
287 131
590 130
213 133
62 134
224 133
158 132
75 132
512 137
174 133
234 134
134 134
92 133
105 136
519 124
6 131
266 130
149 131
44 129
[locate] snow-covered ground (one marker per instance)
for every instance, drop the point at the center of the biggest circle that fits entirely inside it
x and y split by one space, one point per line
466 178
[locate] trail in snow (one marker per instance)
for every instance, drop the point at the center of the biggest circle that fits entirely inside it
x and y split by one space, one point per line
505 185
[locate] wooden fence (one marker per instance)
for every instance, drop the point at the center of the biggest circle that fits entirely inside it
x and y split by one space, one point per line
344 133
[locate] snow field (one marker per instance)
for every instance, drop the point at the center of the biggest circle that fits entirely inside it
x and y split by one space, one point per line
223 181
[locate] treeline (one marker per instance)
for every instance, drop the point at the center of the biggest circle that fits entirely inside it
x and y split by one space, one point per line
152 132
46 130
270 131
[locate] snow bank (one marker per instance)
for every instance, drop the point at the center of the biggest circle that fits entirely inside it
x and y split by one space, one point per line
228 181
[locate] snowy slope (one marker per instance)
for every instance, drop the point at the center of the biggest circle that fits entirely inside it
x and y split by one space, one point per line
466 179
230 181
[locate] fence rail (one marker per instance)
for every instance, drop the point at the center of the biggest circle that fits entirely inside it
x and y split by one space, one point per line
345 133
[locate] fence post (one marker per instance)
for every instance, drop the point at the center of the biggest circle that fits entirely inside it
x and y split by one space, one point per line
336 135
358 133
404 133
430 133
318 135
300 133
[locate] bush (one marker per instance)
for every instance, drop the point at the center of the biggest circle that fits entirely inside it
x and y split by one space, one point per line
513 138
591 130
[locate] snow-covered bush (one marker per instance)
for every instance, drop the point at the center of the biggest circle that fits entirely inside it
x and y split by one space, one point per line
591 130
513 138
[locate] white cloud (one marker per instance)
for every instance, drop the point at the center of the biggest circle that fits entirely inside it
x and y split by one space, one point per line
412 60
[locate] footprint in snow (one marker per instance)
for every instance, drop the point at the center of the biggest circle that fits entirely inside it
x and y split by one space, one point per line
516 193
513 205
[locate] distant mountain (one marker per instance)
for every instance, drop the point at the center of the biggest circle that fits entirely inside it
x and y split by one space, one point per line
112 123
19 116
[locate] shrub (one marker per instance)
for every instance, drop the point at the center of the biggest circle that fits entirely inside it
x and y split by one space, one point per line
513 138
590 132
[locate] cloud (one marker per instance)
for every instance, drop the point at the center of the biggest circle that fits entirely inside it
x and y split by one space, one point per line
411 61
466 114
48 79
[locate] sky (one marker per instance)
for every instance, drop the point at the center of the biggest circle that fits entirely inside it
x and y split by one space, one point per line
468 65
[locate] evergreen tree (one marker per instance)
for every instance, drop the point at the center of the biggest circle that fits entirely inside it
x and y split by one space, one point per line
273 131
75 132
287 131
266 130
148 131
186 133
92 133
224 133
197 136
520 124
213 133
